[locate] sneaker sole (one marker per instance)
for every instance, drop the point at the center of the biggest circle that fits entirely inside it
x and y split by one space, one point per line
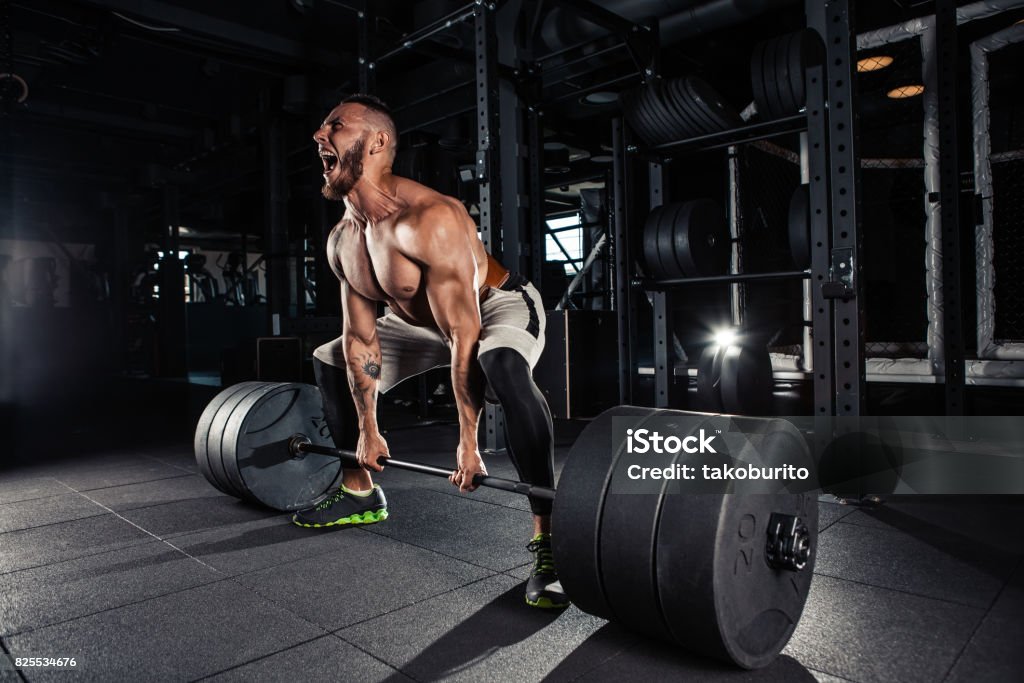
368 517
546 603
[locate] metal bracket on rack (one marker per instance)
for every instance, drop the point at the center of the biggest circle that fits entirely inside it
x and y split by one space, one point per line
841 283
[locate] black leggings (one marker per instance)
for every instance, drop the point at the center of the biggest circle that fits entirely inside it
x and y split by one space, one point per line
528 427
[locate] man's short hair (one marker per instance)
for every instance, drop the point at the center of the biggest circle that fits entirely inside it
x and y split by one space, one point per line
382 110
370 102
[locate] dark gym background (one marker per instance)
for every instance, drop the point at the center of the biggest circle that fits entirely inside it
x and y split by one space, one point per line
162 236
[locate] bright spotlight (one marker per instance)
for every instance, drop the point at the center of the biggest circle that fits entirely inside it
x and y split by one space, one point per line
725 338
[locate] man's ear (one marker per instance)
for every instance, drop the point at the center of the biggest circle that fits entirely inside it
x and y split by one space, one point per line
380 142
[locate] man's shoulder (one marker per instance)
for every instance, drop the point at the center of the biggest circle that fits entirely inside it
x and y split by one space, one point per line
441 212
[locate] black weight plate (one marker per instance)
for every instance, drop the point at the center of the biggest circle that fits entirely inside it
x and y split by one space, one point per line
218 435
709 378
701 126
631 109
216 438
718 593
636 116
713 105
680 126
201 438
666 241
811 53
578 507
772 442
629 534
664 112
800 228
688 127
782 68
256 445
747 380
707 123
768 79
702 239
772 77
796 69
659 131
757 80
651 258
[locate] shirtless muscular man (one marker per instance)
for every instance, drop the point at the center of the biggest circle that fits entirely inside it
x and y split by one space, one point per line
449 303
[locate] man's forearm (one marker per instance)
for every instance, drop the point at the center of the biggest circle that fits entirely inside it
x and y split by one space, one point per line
363 369
468 387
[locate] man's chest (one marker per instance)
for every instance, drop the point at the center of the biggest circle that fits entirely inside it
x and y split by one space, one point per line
373 265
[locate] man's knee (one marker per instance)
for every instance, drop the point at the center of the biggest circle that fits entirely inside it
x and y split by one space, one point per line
506 372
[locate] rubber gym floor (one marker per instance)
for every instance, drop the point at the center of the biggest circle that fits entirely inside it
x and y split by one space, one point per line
129 561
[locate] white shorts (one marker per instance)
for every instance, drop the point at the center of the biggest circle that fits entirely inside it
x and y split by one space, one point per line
512 319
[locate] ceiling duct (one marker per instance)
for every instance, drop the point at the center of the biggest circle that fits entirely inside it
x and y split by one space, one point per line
564 27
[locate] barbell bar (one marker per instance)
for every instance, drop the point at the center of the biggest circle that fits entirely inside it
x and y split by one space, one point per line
300 444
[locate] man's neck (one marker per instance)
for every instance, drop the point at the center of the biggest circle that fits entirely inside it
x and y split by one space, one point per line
373 200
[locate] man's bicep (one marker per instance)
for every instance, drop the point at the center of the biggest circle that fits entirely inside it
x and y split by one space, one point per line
453 300
359 314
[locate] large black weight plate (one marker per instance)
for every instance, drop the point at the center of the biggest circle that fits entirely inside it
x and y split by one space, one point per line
702 239
757 80
707 123
659 127
215 439
796 69
638 118
686 103
220 465
629 536
577 511
631 108
768 78
718 593
747 381
782 68
651 258
686 127
670 265
810 53
800 228
256 446
709 378
200 441
682 128
712 104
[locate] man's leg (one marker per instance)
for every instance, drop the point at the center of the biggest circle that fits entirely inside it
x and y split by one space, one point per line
528 427
357 500
405 351
531 445
340 413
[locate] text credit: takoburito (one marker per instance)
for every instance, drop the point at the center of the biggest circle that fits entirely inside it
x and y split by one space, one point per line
641 441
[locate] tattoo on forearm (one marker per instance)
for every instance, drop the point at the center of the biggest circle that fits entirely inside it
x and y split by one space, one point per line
371 368
363 392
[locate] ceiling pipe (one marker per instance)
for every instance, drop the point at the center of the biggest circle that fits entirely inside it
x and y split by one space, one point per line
678 19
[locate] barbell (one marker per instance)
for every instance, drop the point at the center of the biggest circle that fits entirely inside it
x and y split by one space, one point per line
718 574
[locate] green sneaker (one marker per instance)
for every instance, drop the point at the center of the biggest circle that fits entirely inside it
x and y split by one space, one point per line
343 506
543 589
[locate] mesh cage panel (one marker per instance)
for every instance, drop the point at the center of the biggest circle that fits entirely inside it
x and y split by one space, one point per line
1008 237
893 204
1007 136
